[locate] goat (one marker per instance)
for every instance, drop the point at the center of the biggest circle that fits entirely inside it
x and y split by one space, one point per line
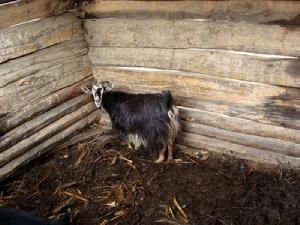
11 216
148 121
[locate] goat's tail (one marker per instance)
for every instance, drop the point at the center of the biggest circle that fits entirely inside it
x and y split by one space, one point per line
170 101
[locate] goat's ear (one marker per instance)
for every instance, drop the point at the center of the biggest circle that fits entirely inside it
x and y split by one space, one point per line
86 90
107 85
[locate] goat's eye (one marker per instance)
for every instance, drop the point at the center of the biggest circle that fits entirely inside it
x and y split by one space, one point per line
98 92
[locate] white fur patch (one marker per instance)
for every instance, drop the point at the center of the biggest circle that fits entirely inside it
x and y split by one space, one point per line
137 141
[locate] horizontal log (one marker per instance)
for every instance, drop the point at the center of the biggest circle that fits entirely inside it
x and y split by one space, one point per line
33 36
17 69
161 33
239 151
28 112
266 103
45 133
42 83
36 124
271 70
239 125
258 12
9 168
24 10
269 144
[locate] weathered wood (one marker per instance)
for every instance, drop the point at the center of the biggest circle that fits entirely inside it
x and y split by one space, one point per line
160 33
33 36
42 83
45 133
9 168
17 69
266 103
239 125
28 112
239 151
270 70
270 144
41 121
24 10
253 11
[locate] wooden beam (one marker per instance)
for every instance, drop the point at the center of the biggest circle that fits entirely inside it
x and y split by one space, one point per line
239 151
24 10
44 82
269 144
28 112
264 103
239 125
270 70
45 133
258 12
9 168
27 129
161 33
33 36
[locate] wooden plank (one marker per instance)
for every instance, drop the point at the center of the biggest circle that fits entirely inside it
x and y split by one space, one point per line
161 33
265 103
42 83
28 112
258 12
9 168
33 36
269 144
239 151
239 125
41 121
24 10
45 133
25 66
270 70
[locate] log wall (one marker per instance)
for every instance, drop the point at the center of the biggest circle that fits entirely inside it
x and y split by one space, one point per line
234 68
43 63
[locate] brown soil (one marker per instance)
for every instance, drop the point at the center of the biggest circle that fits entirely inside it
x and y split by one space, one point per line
113 185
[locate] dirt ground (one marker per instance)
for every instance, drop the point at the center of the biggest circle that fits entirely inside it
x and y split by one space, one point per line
113 185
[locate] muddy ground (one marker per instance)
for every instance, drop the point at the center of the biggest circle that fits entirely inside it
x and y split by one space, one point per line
112 185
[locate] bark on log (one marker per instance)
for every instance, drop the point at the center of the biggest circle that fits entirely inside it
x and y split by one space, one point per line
285 12
270 70
239 125
28 112
45 133
35 152
269 144
33 36
239 151
24 10
41 121
160 33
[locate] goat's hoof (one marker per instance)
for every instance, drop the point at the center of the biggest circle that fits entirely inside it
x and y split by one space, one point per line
159 161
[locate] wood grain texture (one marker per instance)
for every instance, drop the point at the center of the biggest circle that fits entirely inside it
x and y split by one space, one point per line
252 11
32 110
161 33
271 70
25 130
42 148
45 133
264 103
24 10
33 36
249 153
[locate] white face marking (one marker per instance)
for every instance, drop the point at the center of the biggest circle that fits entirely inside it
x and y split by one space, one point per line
97 92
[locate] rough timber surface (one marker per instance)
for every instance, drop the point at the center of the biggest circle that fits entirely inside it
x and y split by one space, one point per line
111 183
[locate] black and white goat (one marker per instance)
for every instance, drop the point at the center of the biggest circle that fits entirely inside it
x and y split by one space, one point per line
149 121
11 216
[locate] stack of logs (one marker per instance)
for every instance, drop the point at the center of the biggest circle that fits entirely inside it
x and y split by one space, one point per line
43 63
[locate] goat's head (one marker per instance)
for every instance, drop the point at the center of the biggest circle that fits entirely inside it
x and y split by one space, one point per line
97 91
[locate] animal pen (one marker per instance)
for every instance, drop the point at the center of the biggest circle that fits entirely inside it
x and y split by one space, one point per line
234 69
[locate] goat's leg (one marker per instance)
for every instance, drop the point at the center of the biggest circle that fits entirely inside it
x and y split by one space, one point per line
170 152
161 156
